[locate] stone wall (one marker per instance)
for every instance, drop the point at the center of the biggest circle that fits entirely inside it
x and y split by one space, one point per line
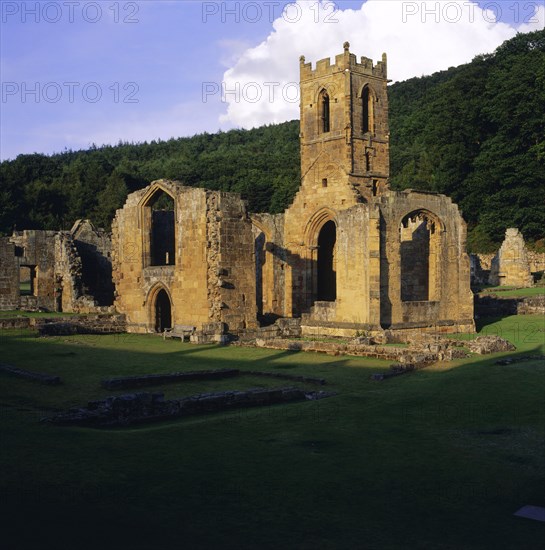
510 266
94 247
54 268
536 261
29 255
450 300
14 322
84 324
482 263
9 276
68 272
212 276
272 257
139 407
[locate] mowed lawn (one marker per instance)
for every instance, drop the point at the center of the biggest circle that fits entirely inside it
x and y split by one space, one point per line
437 459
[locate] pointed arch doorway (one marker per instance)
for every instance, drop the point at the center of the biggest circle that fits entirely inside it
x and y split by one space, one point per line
327 279
163 311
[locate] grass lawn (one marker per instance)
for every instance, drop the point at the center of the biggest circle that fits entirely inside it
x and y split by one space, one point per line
507 292
437 459
31 314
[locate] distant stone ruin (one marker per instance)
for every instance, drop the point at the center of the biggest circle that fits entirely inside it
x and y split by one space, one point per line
69 271
510 265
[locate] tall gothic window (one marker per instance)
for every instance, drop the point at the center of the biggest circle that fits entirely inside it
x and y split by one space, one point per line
367 111
324 108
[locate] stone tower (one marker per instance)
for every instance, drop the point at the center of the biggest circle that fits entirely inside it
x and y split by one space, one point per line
344 124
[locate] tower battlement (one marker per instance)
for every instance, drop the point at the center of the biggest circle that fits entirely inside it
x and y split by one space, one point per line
343 61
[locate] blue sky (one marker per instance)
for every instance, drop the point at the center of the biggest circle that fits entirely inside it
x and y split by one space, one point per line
77 73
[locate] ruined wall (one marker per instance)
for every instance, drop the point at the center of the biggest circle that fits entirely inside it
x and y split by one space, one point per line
399 258
536 261
35 252
212 276
510 266
356 266
9 276
482 263
67 272
235 263
480 269
53 271
450 300
270 265
94 247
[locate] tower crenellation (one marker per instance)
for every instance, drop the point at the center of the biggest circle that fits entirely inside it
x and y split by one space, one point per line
343 61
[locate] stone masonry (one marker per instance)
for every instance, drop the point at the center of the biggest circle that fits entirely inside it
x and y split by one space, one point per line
348 255
510 266
50 270
209 278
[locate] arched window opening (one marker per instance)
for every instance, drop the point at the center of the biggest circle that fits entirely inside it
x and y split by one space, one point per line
420 249
324 111
163 311
367 111
368 161
159 219
327 278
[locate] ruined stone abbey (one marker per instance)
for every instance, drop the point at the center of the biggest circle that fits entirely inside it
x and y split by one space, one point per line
348 256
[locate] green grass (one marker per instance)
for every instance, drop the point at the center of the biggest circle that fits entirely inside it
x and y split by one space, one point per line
507 292
32 314
25 288
437 459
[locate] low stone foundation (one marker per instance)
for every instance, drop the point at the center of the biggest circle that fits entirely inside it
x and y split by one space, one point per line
325 329
211 333
88 324
490 344
142 407
340 348
15 322
424 350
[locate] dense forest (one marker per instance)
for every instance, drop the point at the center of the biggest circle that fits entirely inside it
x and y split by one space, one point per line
475 133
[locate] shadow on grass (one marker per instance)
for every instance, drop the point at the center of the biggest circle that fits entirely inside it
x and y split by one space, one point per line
459 444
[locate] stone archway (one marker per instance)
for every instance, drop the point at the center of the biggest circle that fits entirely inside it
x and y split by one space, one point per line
162 310
319 261
420 255
325 265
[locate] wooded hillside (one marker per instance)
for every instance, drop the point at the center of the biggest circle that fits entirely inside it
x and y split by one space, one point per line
475 132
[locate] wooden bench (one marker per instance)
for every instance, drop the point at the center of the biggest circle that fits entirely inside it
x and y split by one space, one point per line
178 331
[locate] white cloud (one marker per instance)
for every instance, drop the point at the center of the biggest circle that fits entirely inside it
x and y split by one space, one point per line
231 51
420 38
